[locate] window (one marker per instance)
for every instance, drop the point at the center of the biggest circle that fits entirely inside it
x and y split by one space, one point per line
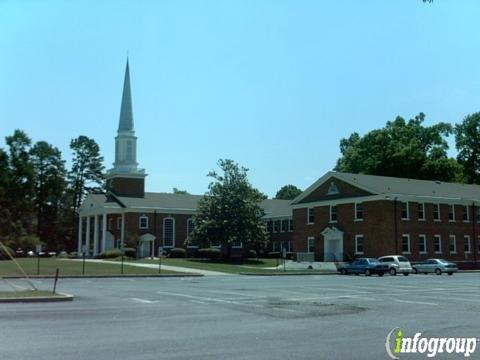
290 225
333 213
436 212
284 225
237 244
405 244
405 211
452 244
421 211
190 226
466 244
478 214
276 226
451 213
129 150
358 244
119 223
311 244
466 214
310 216
143 222
110 224
422 244
358 211
270 226
274 246
169 232
437 244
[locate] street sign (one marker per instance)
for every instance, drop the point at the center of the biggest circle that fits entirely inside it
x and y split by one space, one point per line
160 251
284 253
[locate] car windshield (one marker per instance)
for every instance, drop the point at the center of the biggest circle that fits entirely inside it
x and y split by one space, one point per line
402 259
373 261
442 261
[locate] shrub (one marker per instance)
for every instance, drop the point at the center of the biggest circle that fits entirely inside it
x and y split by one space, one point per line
4 255
130 252
74 255
252 254
274 255
109 254
209 253
177 253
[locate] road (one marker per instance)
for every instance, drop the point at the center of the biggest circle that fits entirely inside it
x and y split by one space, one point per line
240 317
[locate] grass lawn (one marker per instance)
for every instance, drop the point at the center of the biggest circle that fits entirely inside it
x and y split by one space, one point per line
246 266
26 294
48 266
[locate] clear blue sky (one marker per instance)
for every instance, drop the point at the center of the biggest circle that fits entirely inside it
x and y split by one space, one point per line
273 85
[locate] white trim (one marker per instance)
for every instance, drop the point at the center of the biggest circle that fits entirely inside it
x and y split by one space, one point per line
330 214
358 236
451 211
308 215
173 232
437 205
469 244
424 218
439 237
290 225
468 213
409 251
422 238
140 218
355 218
407 204
236 246
311 238
450 237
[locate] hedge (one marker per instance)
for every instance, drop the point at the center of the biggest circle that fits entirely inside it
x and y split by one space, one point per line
177 253
209 253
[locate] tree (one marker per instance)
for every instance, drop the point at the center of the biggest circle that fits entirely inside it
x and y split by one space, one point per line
49 188
467 139
288 192
230 212
86 174
178 191
401 149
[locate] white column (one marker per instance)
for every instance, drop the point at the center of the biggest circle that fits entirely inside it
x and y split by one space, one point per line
122 233
87 237
95 236
104 232
80 223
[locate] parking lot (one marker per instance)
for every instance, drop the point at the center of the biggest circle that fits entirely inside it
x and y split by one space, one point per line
240 317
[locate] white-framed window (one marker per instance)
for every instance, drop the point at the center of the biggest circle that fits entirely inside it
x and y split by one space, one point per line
284 225
290 225
466 244
276 226
359 243
405 210
311 244
422 244
169 232
437 244
436 212
310 216
466 214
119 223
451 213
405 244
452 243
358 212
333 214
237 244
143 222
421 212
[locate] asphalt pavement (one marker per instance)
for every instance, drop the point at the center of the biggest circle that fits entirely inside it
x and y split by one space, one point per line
240 317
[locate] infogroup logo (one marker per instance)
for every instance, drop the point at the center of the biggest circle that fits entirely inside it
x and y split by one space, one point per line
396 344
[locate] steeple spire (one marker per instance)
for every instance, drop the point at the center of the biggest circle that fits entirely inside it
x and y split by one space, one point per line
126 112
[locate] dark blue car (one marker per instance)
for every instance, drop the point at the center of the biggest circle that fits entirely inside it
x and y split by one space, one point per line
367 266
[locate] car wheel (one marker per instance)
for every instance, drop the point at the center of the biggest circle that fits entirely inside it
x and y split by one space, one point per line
380 274
438 271
426 273
343 271
357 274
392 271
415 271
450 274
368 272
406 274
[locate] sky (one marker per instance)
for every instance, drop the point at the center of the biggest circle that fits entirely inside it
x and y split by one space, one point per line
272 84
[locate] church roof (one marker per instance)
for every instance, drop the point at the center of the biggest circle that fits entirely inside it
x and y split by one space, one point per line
126 112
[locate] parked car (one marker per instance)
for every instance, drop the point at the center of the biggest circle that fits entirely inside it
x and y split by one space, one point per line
396 264
367 266
437 266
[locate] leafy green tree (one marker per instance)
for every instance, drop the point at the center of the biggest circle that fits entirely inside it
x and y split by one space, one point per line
467 139
230 212
87 172
49 188
401 149
178 191
288 192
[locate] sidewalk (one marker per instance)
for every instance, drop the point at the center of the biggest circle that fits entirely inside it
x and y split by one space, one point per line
164 267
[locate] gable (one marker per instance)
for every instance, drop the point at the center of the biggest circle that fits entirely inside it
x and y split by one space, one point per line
333 188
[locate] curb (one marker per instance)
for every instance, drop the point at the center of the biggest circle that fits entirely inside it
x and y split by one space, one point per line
102 276
40 299
290 274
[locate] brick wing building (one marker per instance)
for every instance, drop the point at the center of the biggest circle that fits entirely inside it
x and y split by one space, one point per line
343 216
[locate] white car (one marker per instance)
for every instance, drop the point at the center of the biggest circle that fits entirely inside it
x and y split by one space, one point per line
396 264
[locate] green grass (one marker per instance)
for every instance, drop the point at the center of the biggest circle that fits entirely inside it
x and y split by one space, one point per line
48 266
246 266
26 294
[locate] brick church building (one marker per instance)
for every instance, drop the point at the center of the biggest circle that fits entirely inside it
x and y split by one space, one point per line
340 217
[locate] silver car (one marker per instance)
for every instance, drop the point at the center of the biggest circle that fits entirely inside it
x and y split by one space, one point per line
396 264
437 266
